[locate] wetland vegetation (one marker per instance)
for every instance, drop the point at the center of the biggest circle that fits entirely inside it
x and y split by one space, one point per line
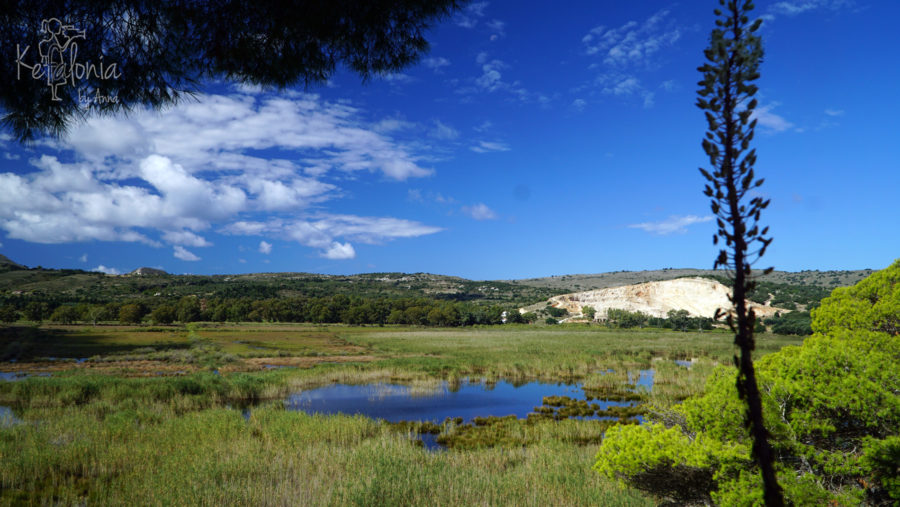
157 415
212 412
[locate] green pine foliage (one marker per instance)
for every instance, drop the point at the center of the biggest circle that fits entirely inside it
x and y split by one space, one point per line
871 305
831 406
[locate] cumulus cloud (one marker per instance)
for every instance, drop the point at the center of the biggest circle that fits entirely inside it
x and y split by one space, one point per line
184 254
167 176
109 271
322 231
216 132
265 247
479 211
672 224
339 251
184 237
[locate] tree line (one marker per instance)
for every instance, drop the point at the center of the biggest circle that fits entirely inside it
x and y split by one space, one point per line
338 308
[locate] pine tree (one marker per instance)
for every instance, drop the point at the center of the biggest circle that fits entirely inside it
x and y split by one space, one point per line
726 96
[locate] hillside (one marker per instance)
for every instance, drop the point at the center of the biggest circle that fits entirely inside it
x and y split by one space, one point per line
19 284
571 283
65 286
8 265
700 297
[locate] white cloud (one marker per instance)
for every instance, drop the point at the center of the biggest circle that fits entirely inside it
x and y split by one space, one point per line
214 133
498 28
339 251
83 258
393 125
397 78
436 63
579 104
795 7
489 146
184 254
618 84
414 195
443 131
834 112
672 224
372 230
766 118
173 174
322 231
109 271
483 126
265 247
479 211
632 43
184 237
491 79
469 16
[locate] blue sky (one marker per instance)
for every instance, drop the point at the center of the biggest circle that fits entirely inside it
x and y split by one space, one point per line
530 141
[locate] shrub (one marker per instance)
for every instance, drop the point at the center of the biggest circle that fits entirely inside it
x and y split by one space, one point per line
831 407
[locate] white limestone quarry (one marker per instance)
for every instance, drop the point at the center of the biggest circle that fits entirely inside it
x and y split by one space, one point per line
701 297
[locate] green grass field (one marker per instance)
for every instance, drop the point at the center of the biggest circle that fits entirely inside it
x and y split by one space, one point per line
146 420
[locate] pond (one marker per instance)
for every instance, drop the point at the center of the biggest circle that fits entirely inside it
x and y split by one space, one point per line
466 400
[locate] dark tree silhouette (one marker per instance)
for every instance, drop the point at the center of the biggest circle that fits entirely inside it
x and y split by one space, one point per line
726 96
62 59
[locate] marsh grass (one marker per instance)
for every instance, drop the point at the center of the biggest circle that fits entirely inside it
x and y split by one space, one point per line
111 439
155 456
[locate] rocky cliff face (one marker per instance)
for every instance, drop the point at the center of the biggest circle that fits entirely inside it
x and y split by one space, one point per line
699 296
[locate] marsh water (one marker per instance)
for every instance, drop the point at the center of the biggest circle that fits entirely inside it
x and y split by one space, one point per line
7 418
466 399
12 376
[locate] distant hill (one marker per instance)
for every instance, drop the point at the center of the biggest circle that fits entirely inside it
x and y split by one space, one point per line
8 265
154 285
782 289
574 283
148 272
